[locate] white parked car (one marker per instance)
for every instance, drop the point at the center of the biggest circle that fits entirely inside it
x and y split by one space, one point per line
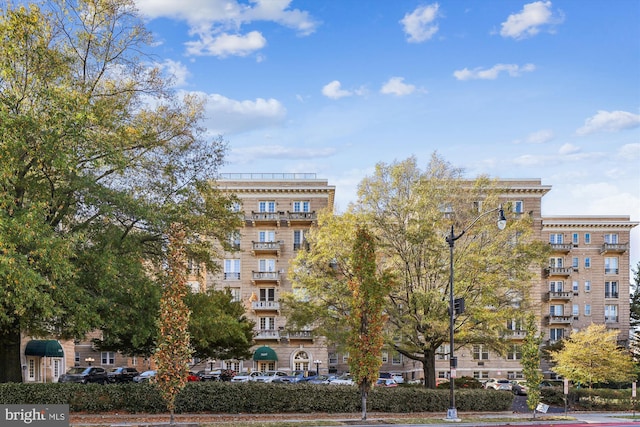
269 376
495 384
344 379
246 376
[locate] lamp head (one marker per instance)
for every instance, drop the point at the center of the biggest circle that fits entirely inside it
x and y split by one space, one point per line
502 220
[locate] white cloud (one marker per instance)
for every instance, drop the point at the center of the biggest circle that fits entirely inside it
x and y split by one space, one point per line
334 90
529 21
226 45
176 71
539 137
245 154
609 121
419 25
567 149
630 151
396 86
216 24
227 116
492 73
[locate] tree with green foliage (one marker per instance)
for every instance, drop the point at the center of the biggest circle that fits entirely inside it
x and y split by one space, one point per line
97 158
218 326
635 297
410 211
174 350
530 362
366 316
593 356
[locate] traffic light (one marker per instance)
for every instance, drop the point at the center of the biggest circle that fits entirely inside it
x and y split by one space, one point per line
458 305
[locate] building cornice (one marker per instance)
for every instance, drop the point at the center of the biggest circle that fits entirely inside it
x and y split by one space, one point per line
588 222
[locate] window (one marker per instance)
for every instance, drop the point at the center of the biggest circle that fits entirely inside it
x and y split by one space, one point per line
267 294
32 369
267 265
345 358
267 236
587 286
517 207
555 262
611 238
555 286
575 239
514 325
576 310
236 295
333 359
108 357
556 310
587 238
515 375
385 356
235 207
301 206
480 375
298 239
231 269
611 289
515 352
234 240
575 287
267 206
301 361
267 323
396 358
442 352
556 334
77 358
555 238
587 262
193 267
587 309
134 360
480 352
266 366
610 313
611 265
232 364
575 262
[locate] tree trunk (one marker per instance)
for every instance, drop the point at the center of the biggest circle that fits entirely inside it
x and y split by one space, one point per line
429 368
363 396
10 368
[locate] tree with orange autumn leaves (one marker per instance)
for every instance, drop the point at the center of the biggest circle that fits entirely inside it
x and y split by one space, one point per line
174 351
366 318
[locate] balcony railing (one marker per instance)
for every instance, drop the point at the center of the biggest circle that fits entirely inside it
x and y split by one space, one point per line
232 276
559 296
516 333
561 247
265 276
267 247
559 320
265 305
614 248
270 217
611 295
610 271
267 334
611 319
558 271
298 334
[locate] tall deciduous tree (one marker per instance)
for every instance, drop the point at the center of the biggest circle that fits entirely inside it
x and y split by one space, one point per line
366 316
635 297
593 356
410 212
531 356
97 158
174 351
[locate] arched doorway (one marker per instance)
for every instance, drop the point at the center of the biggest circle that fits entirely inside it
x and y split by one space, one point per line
301 361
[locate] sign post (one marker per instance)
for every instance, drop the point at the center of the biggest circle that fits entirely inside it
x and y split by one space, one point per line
566 395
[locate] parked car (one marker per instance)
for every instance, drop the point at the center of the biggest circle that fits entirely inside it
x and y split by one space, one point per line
398 378
294 377
386 382
84 375
270 376
519 387
496 384
209 375
246 376
192 377
317 379
122 374
344 379
144 377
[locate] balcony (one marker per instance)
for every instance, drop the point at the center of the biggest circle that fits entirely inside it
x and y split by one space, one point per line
297 335
611 295
264 218
517 334
300 218
558 271
267 334
561 247
261 248
231 276
559 296
265 306
265 277
614 248
559 320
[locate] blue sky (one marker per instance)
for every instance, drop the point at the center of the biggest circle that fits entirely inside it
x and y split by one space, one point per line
511 89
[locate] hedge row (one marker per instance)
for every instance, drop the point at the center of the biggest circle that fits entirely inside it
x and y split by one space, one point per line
223 397
584 399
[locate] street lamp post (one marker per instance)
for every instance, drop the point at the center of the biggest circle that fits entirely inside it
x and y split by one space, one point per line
452 413
317 362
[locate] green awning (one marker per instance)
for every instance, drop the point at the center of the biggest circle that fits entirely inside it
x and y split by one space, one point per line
44 348
265 353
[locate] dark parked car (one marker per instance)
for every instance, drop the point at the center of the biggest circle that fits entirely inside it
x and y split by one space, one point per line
84 375
144 377
209 375
122 374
